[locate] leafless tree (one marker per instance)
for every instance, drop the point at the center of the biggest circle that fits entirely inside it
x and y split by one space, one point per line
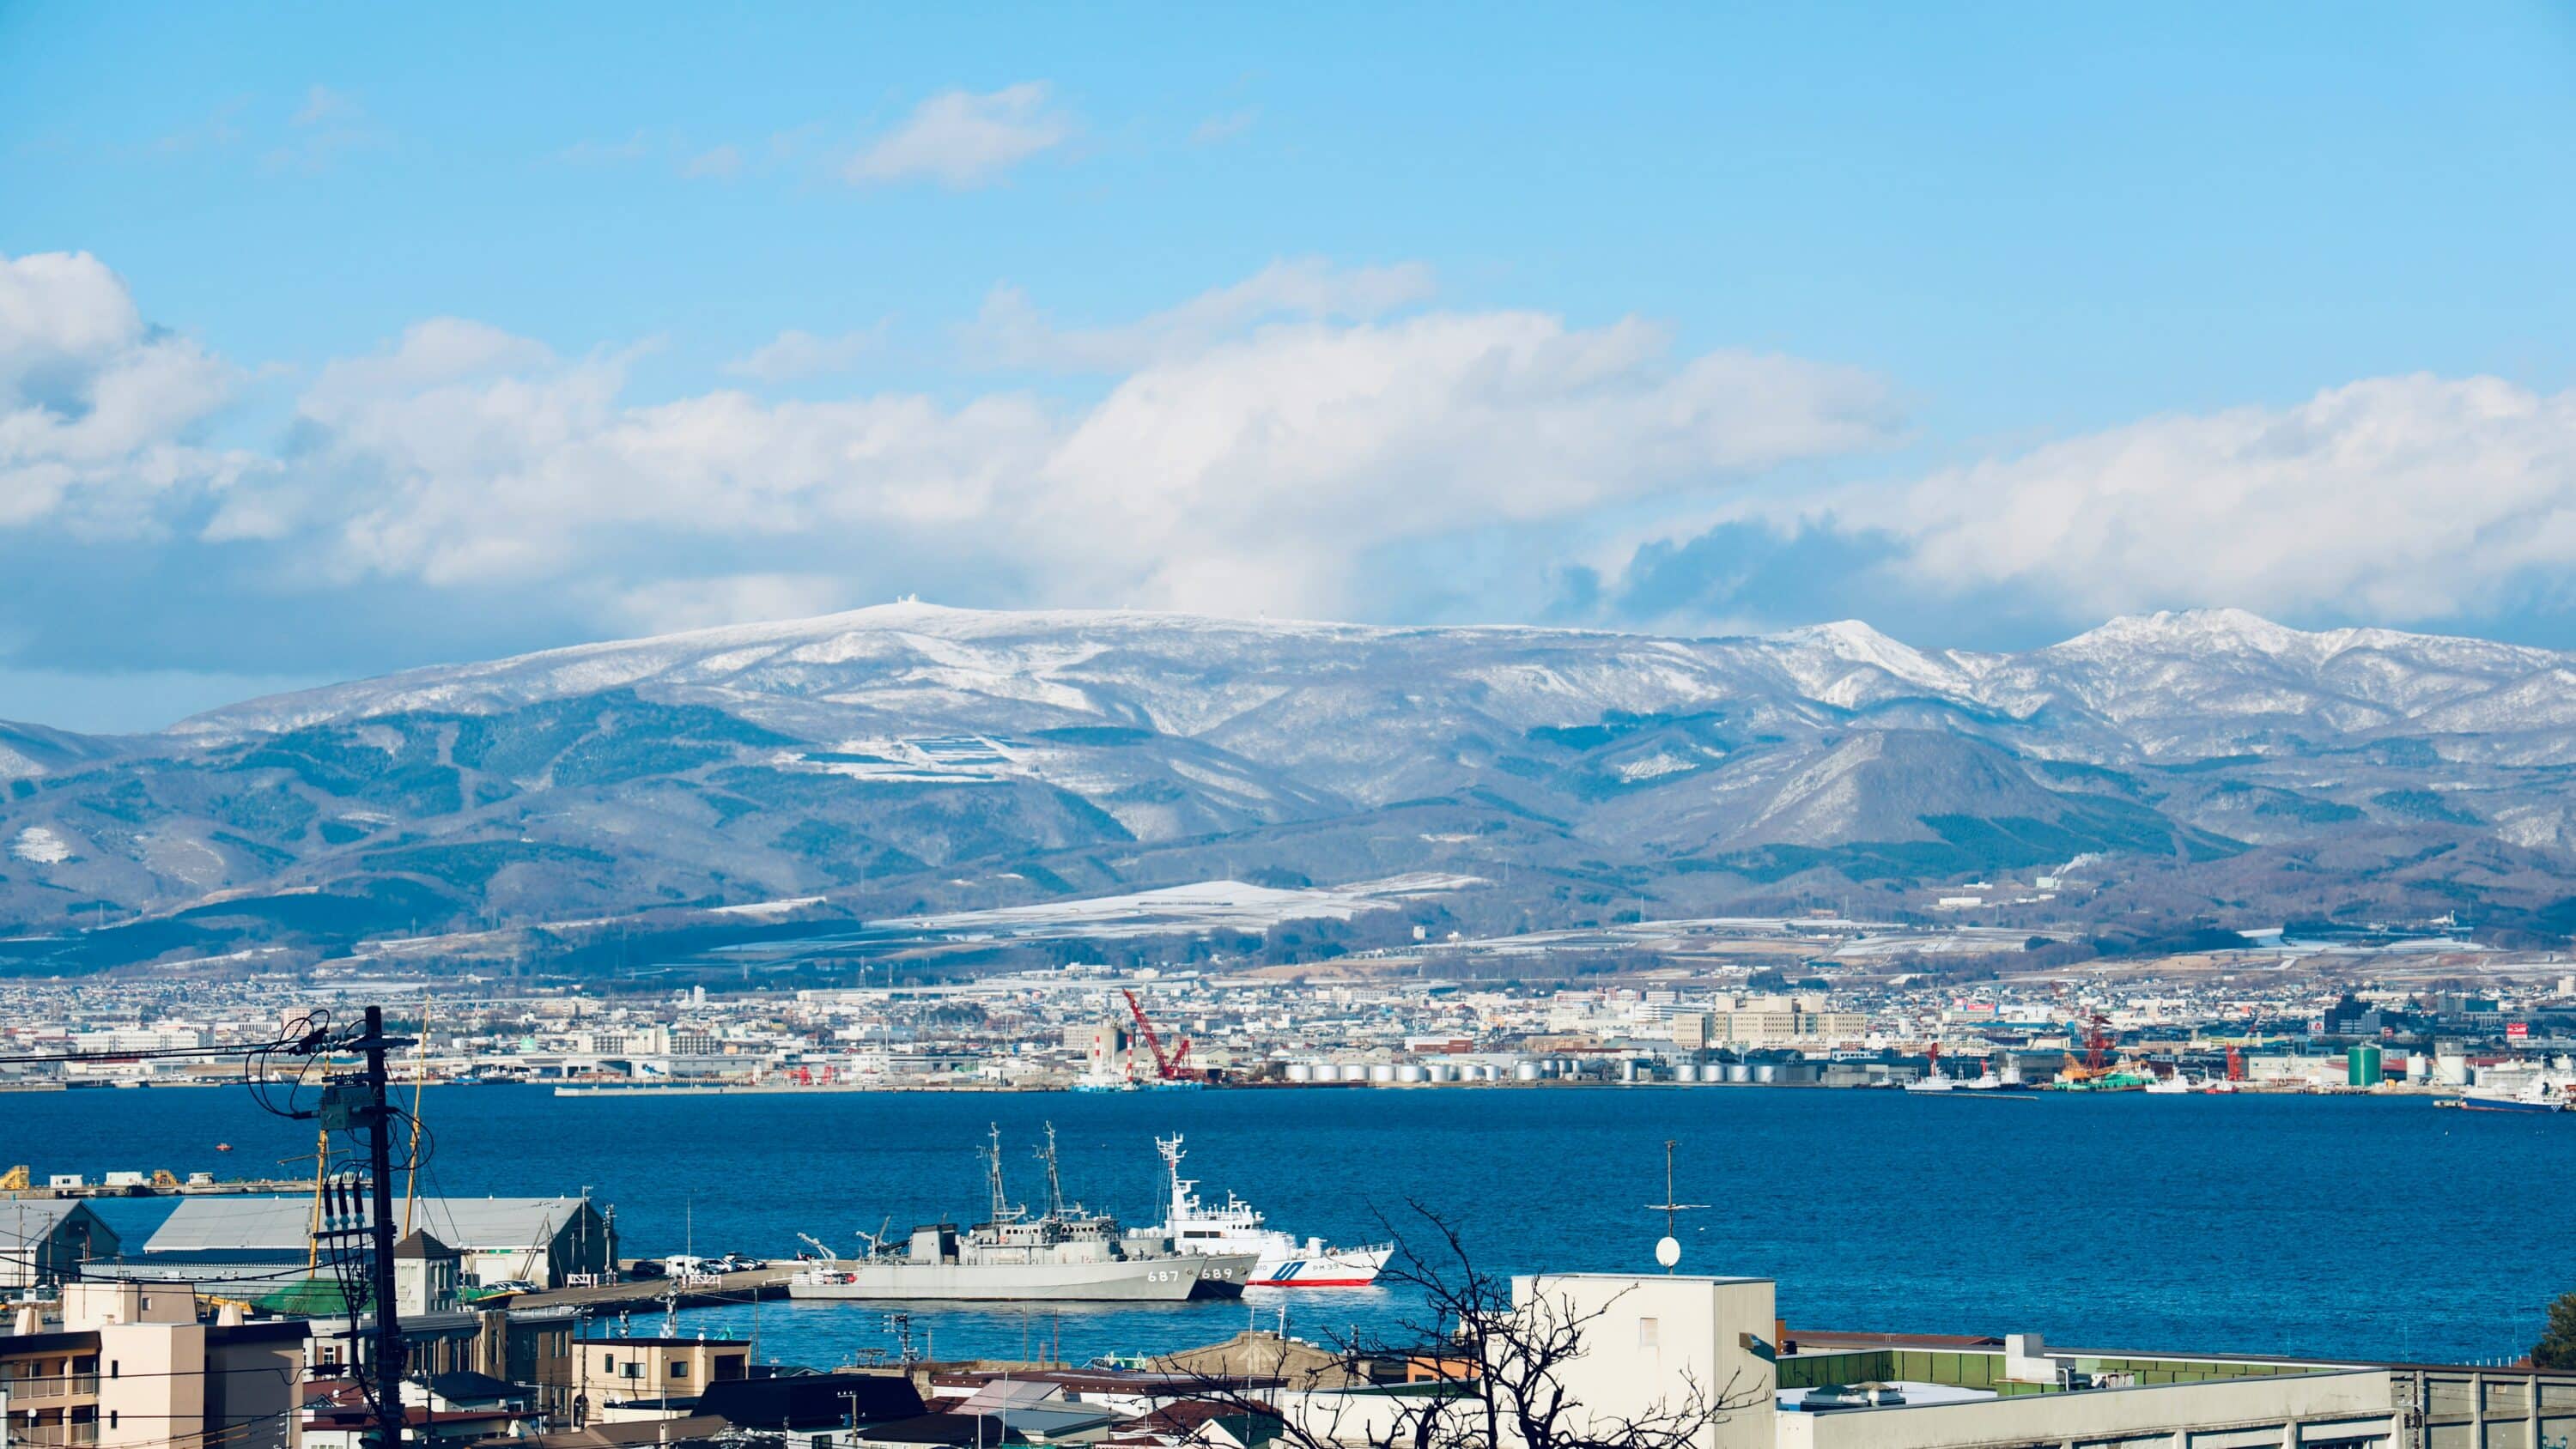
1491 1372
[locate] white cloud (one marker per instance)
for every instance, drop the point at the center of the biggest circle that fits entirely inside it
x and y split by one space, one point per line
1248 474
587 152
1009 332
716 163
668 607
793 354
329 124
96 409
440 350
220 128
1259 474
960 139
2395 498
1218 129
322 103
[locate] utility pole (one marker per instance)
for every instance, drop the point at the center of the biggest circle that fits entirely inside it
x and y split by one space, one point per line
387 1368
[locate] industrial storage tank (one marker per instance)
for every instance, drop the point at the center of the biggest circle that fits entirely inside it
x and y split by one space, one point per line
1685 1073
1409 1073
1738 1072
1382 1072
1526 1072
1488 1072
1354 1071
1440 1072
2363 1065
1301 1071
1765 1073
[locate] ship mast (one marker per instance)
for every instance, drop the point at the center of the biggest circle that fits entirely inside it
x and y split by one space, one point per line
1003 1212
1171 1150
1055 1186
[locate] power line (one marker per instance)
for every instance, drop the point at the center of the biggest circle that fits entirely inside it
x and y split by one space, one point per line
145 1054
108 1378
205 1438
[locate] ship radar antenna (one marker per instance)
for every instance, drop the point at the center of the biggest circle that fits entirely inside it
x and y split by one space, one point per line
1669 1251
1172 1155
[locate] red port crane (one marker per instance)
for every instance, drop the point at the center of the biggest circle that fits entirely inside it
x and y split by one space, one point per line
2097 1043
1173 1067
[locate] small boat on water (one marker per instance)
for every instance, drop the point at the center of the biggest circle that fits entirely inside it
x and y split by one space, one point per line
1935 1080
2538 1095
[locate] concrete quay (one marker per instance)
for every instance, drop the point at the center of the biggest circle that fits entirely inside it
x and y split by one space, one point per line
696 1291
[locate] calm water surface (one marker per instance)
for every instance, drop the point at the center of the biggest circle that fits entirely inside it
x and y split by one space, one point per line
2326 1225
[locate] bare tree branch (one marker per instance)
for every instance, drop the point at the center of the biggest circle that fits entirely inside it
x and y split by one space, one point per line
1497 1370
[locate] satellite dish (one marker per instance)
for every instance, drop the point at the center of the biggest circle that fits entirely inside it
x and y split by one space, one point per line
1667 1251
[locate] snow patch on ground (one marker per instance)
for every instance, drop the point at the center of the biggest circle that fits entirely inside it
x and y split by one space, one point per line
925 760
767 908
41 846
1654 767
1205 906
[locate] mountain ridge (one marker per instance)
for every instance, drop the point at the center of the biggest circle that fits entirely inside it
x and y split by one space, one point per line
910 755
1852 641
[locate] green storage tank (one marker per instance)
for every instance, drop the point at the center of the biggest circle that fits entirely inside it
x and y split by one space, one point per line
2361 1064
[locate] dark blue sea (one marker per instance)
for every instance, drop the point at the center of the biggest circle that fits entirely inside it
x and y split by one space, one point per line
2291 1225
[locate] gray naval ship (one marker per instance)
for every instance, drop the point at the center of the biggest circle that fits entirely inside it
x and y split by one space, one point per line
1065 1254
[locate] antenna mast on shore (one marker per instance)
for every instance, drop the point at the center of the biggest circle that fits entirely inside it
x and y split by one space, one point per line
1669 1251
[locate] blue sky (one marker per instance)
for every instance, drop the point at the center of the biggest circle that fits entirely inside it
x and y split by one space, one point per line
385 339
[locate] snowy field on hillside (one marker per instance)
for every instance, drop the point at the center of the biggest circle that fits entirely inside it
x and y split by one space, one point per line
1215 905
40 846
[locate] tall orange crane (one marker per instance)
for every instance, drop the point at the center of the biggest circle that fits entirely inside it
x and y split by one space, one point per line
2097 1050
1171 1067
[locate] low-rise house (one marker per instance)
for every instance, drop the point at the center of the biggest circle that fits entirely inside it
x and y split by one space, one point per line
1197 1424
426 1275
818 1411
626 1379
338 1415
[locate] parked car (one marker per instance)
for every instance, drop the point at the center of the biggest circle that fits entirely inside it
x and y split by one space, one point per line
510 1285
647 1268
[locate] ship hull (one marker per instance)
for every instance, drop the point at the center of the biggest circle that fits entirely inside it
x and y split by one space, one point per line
1353 1268
1224 1275
2507 1104
1164 1280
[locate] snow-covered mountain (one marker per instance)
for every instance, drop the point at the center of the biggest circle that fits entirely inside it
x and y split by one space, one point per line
914 755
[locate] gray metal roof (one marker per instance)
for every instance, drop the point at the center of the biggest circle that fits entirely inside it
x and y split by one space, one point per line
198 1224
28 1220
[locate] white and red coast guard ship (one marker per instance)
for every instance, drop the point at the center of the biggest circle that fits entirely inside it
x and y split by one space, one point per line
1235 1227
